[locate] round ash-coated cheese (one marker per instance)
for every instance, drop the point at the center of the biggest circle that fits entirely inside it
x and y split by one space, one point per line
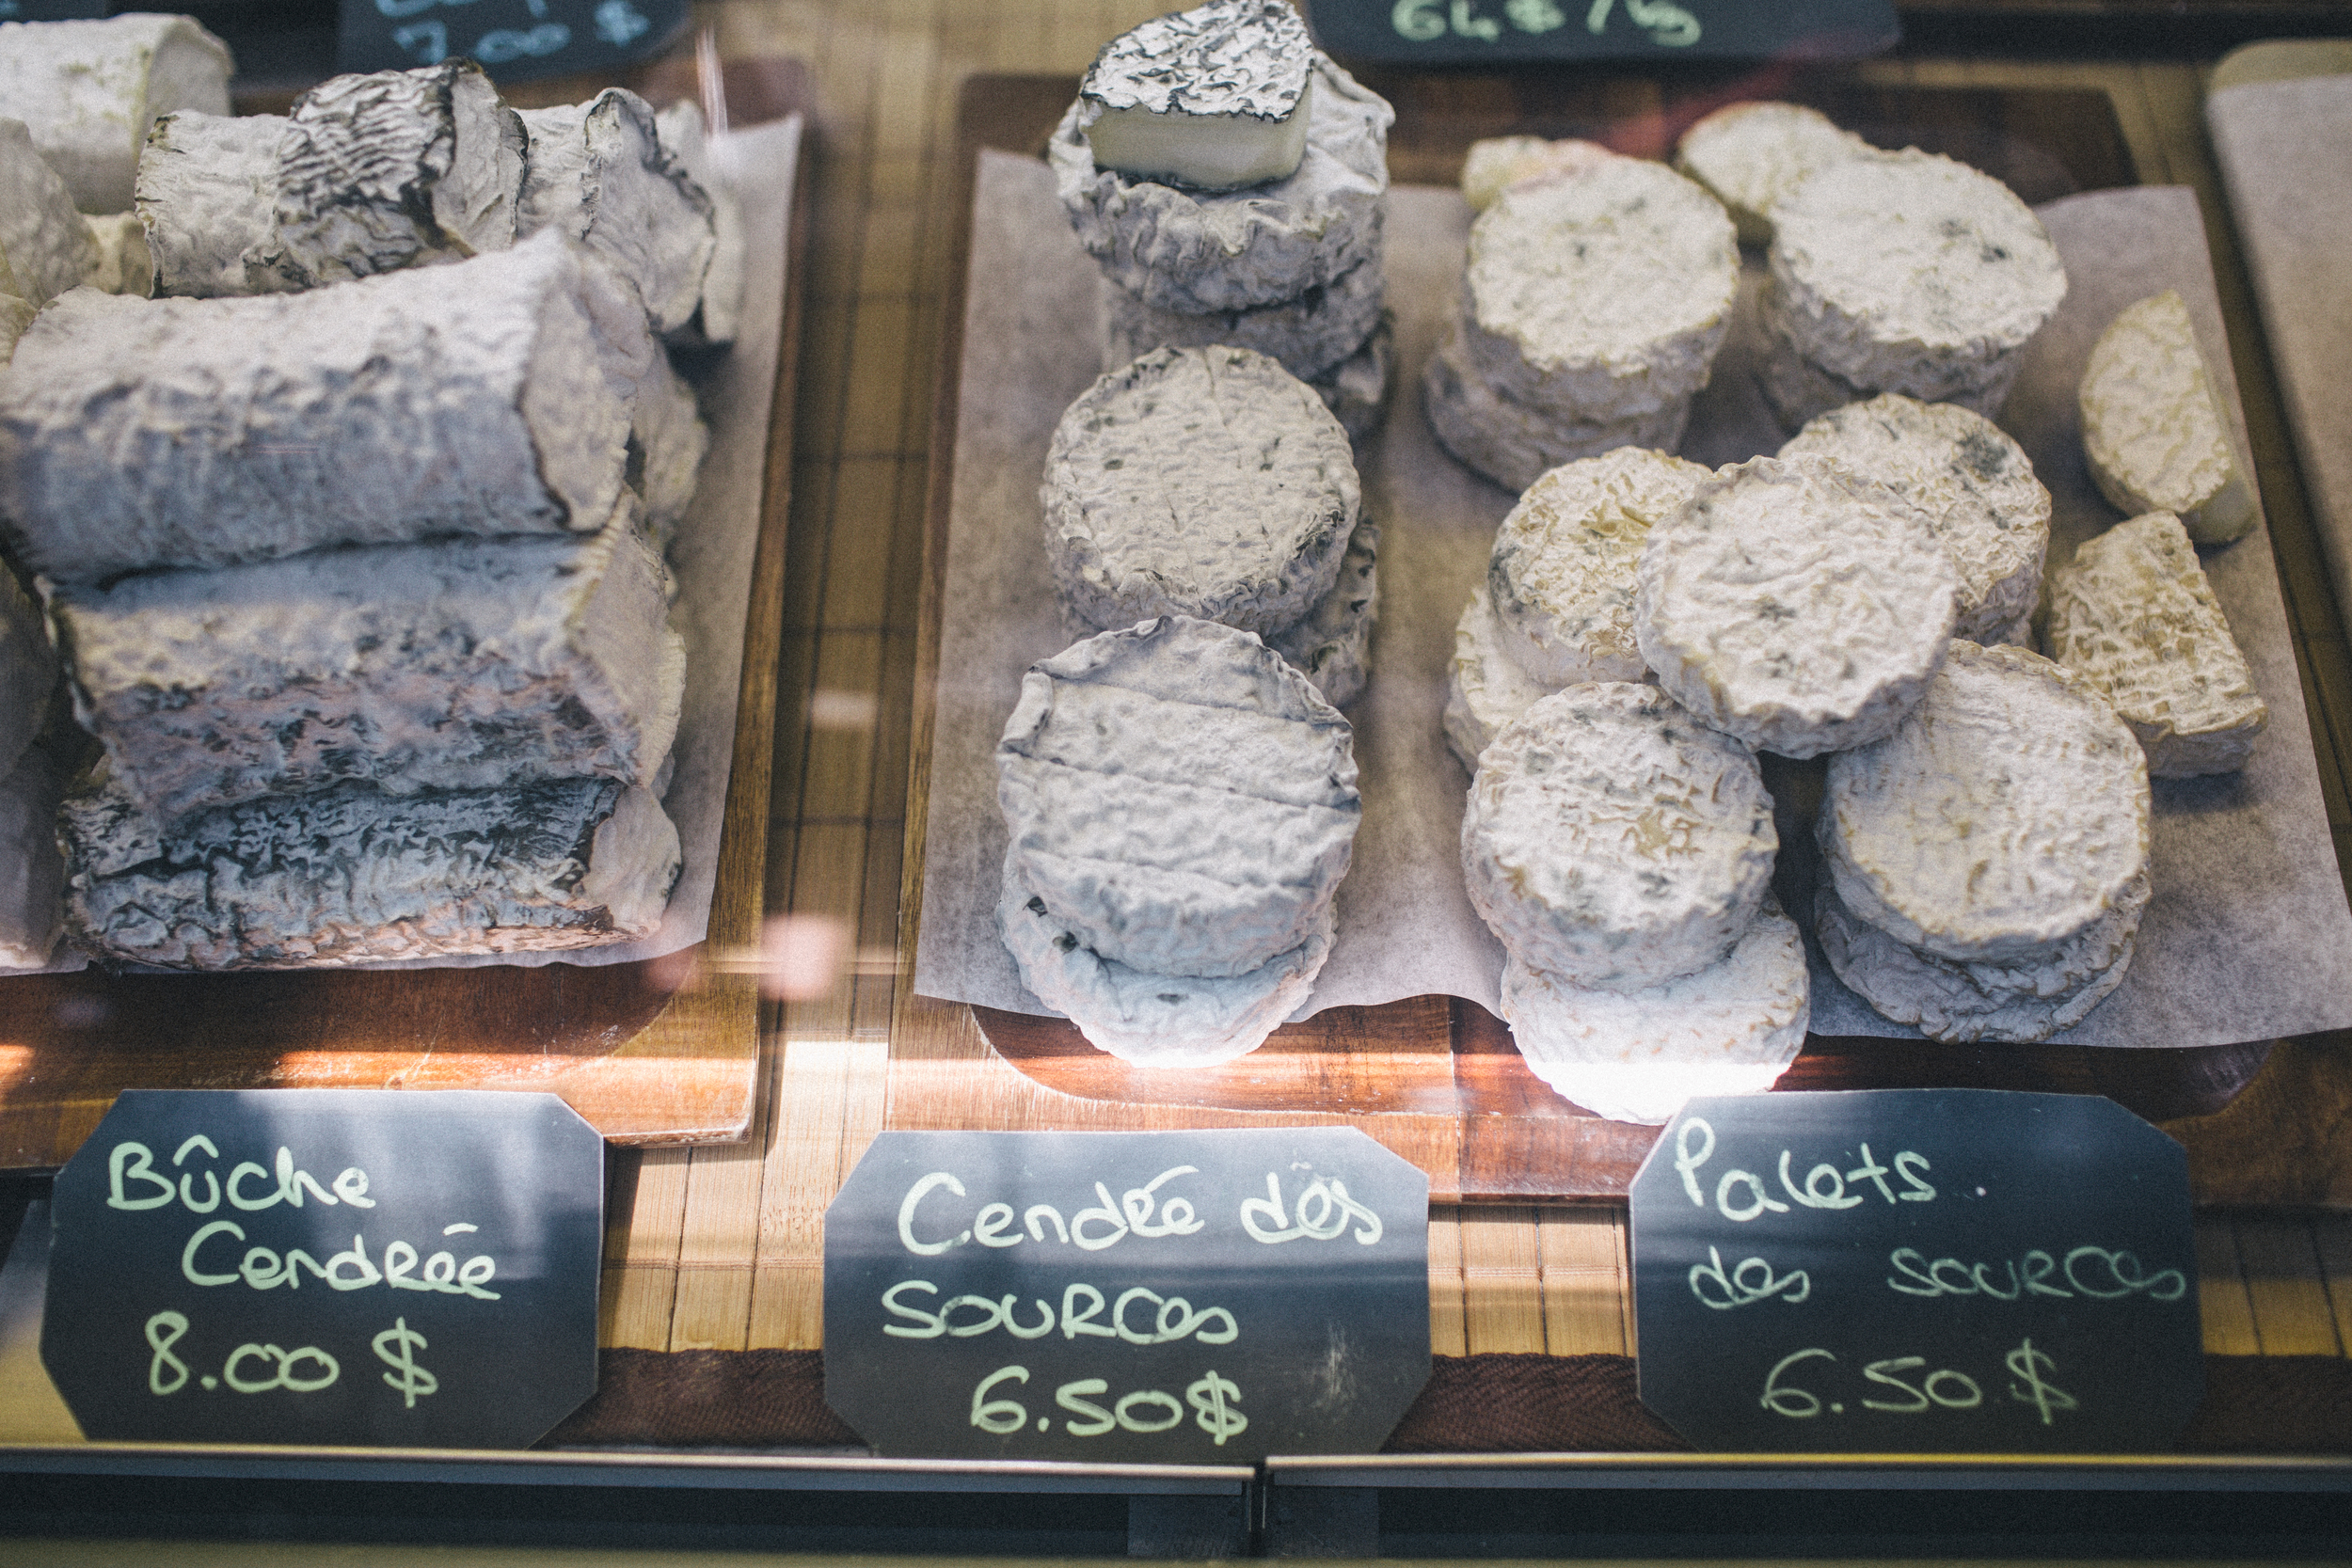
1150 1019
1562 571
1200 252
1794 605
1599 295
1614 840
1179 796
1197 482
1514 445
2007 813
1731 1028
1907 272
2153 428
1332 646
1310 335
2021 1000
1753 156
1975 485
1485 688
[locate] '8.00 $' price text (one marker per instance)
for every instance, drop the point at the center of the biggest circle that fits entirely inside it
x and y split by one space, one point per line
258 1368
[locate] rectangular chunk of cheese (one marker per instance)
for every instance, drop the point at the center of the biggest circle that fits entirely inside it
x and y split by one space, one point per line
207 190
88 92
455 665
354 875
44 249
598 172
496 396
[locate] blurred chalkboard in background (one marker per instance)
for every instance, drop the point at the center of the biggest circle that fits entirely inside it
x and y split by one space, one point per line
516 41
1500 32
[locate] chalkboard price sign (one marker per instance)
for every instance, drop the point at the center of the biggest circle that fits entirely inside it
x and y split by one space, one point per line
1127 1297
1492 32
516 41
326 1266
1917 1271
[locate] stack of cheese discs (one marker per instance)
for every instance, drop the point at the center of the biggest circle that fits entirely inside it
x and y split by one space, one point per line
1228 177
1754 156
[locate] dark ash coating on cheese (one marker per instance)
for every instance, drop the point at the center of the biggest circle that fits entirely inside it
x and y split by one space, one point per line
599 172
1227 58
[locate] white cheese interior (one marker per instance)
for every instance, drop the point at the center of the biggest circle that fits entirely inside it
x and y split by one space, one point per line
1205 151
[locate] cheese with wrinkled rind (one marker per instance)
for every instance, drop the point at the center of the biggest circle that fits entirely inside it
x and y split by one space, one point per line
599 172
1754 156
1514 445
44 246
207 195
1310 335
2154 428
1331 646
1485 688
89 90
1214 97
1495 163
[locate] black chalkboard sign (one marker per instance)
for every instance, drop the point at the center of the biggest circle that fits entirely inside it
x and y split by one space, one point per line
515 40
326 1266
53 11
1493 32
1917 1271
1127 1297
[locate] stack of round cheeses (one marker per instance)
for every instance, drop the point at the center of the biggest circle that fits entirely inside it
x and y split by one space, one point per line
1228 177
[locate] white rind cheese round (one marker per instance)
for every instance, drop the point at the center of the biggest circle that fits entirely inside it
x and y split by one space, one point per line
1214 98
44 247
2009 812
1179 796
1794 605
1150 1019
1310 335
2021 1000
89 90
1495 163
1615 841
1196 482
1202 251
1514 445
1907 272
1797 389
2153 428
1731 1028
1752 156
1975 485
1332 644
2134 615
1561 576
1485 688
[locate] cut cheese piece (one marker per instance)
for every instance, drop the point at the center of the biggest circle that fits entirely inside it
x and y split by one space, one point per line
1753 156
1214 97
598 172
32 872
2009 811
1332 644
2154 428
1495 163
2134 615
1615 841
1485 688
1310 335
456 665
1514 445
1794 605
495 398
350 875
44 247
88 92
207 195
1731 1028
1179 796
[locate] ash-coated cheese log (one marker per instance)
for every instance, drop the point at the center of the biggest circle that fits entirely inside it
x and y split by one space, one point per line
32 873
1214 98
44 246
29 669
669 441
351 875
1179 796
88 92
1485 688
207 194
2007 813
2153 428
598 172
2134 615
454 665
494 397
1310 335
1615 841
1754 156
684 133
1514 445
1204 251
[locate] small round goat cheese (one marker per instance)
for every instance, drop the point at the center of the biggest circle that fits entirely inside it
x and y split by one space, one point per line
1495 163
1332 646
1178 797
1615 841
2154 430
1514 445
1197 482
1485 688
1753 155
1310 335
2009 812
1975 485
1731 1028
1794 605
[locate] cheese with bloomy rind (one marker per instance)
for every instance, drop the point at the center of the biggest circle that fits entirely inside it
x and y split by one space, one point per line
1753 157
1794 605
1485 688
32 873
1202 251
1975 485
2021 1000
688 139
124 266
1615 841
16 314
496 397
1514 445
2134 615
1908 272
392 169
2009 811
1356 389
88 92
1797 389
1731 1028
599 172
1214 97
2153 428
29 669
1179 796
454 665
1310 335
1495 163
1197 482
670 441
44 247
1561 574
1150 1019
1331 646
207 193
351 875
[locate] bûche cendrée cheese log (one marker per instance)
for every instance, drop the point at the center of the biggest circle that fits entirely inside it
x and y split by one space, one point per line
599 172
88 92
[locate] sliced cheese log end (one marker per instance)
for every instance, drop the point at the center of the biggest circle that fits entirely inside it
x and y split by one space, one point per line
2154 428
599 172
88 92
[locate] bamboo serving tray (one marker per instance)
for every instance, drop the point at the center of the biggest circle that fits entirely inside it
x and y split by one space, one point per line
660 1051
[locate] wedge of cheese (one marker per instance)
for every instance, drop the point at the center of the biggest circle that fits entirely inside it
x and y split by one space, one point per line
207 196
88 92
2153 428
1214 97
599 173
